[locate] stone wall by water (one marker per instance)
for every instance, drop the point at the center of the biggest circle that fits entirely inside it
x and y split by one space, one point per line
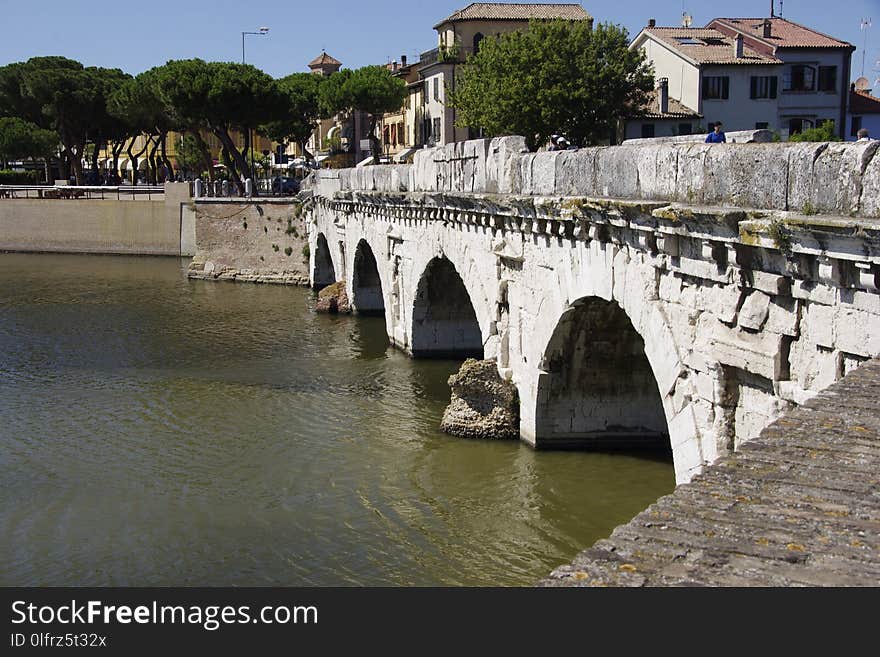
250 240
137 226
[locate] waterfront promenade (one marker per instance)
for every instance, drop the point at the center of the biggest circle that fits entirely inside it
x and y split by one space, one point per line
797 506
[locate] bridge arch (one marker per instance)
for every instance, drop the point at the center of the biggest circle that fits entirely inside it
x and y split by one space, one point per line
366 284
444 318
323 271
612 300
597 387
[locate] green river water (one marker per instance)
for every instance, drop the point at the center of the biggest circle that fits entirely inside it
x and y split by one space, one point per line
156 431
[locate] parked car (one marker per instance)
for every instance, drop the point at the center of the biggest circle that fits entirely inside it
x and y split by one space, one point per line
285 185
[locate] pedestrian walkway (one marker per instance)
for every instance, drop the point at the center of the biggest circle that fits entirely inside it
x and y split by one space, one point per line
797 506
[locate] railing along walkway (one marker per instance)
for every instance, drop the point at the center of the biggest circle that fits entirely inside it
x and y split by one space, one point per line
119 193
797 506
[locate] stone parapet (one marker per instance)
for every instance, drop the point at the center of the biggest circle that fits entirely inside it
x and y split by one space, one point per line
811 178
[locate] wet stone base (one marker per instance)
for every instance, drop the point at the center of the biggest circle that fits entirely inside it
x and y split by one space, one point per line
333 299
796 506
482 404
208 272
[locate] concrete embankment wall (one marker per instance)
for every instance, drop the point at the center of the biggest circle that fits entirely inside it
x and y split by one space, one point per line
251 240
141 227
835 179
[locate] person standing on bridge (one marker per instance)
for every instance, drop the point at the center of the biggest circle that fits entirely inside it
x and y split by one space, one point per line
716 136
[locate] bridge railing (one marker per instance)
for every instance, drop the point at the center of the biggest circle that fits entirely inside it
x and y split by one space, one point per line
64 192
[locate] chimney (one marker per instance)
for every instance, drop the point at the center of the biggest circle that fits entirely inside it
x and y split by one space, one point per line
768 30
652 22
394 67
664 95
403 60
738 46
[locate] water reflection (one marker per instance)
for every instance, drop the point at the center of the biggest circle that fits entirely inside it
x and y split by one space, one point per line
159 431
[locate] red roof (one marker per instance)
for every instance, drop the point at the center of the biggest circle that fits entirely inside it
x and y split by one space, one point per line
676 110
706 46
517 11
862 102
324 60
783 33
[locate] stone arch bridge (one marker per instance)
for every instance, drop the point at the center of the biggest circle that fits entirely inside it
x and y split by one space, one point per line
684 293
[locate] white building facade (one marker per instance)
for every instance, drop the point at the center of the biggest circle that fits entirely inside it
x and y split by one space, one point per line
753 73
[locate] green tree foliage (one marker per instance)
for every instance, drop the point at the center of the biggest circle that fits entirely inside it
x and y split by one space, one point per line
555 77
825 132
192 154
301 113
221 97
63 90
371 89
21 139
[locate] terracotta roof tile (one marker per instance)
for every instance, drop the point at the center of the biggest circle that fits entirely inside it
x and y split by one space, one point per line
784 33
325 59
677 109
707 46
517 12
862 102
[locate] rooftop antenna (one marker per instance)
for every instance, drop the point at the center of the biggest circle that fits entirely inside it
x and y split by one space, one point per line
865 26
780 8
772 8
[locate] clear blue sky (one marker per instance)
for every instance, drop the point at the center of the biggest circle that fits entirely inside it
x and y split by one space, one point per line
135 36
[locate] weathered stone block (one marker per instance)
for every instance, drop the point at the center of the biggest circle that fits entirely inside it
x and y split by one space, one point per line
657 166
754 311
616 175
857 332
817 325
758 353
784 316
576 173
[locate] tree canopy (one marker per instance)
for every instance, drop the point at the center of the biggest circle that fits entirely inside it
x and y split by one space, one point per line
20 139
302 111
557 77
371 89
221 97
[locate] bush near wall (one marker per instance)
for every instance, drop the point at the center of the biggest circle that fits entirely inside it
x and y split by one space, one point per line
9 177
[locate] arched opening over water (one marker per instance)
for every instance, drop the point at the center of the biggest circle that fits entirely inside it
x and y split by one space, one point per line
323 274
444 324
366 285
599 390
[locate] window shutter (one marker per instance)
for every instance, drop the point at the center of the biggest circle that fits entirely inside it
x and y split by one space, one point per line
725 87
754 88
773 82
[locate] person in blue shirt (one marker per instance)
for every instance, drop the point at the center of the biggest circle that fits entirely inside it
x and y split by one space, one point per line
716 136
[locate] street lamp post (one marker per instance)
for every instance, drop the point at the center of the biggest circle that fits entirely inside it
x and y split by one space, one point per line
263 31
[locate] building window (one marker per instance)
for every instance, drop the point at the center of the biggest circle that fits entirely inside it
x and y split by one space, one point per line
763 86
799 125
856 126
436 135
437 88
647 130
716 87
828 78
685 129
762 125
477 38
427 92
800 77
